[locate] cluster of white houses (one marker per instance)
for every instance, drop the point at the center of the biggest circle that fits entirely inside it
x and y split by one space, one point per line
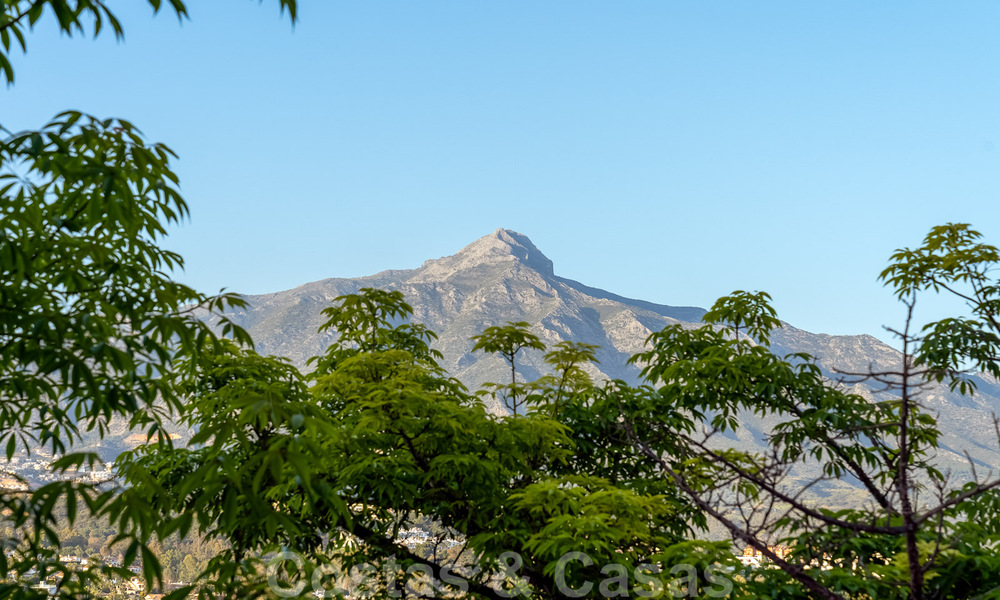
753 557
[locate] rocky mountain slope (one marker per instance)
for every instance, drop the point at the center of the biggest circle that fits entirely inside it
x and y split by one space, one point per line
504 277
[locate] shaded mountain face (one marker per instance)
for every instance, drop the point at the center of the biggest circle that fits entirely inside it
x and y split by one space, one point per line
503 277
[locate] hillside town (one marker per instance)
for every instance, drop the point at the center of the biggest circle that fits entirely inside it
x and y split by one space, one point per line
24 472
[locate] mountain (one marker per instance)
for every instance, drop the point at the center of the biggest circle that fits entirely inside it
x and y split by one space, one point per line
500 277
504 277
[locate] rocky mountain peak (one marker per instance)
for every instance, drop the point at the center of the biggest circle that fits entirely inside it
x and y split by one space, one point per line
501 246
504 277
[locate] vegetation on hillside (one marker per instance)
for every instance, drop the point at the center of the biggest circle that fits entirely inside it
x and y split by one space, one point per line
587 489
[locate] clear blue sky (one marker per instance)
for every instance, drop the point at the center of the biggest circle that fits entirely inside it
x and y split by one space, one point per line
665 150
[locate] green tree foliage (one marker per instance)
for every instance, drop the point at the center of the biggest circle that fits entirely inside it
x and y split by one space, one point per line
88 311
379 440
507 341
920 533
395 444
91 323
73 17
89 318
594 488
256 442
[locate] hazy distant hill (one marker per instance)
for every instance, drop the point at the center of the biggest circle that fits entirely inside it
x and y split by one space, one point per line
504 277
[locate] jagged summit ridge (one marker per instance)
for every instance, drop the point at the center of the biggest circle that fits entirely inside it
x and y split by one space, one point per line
498 248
